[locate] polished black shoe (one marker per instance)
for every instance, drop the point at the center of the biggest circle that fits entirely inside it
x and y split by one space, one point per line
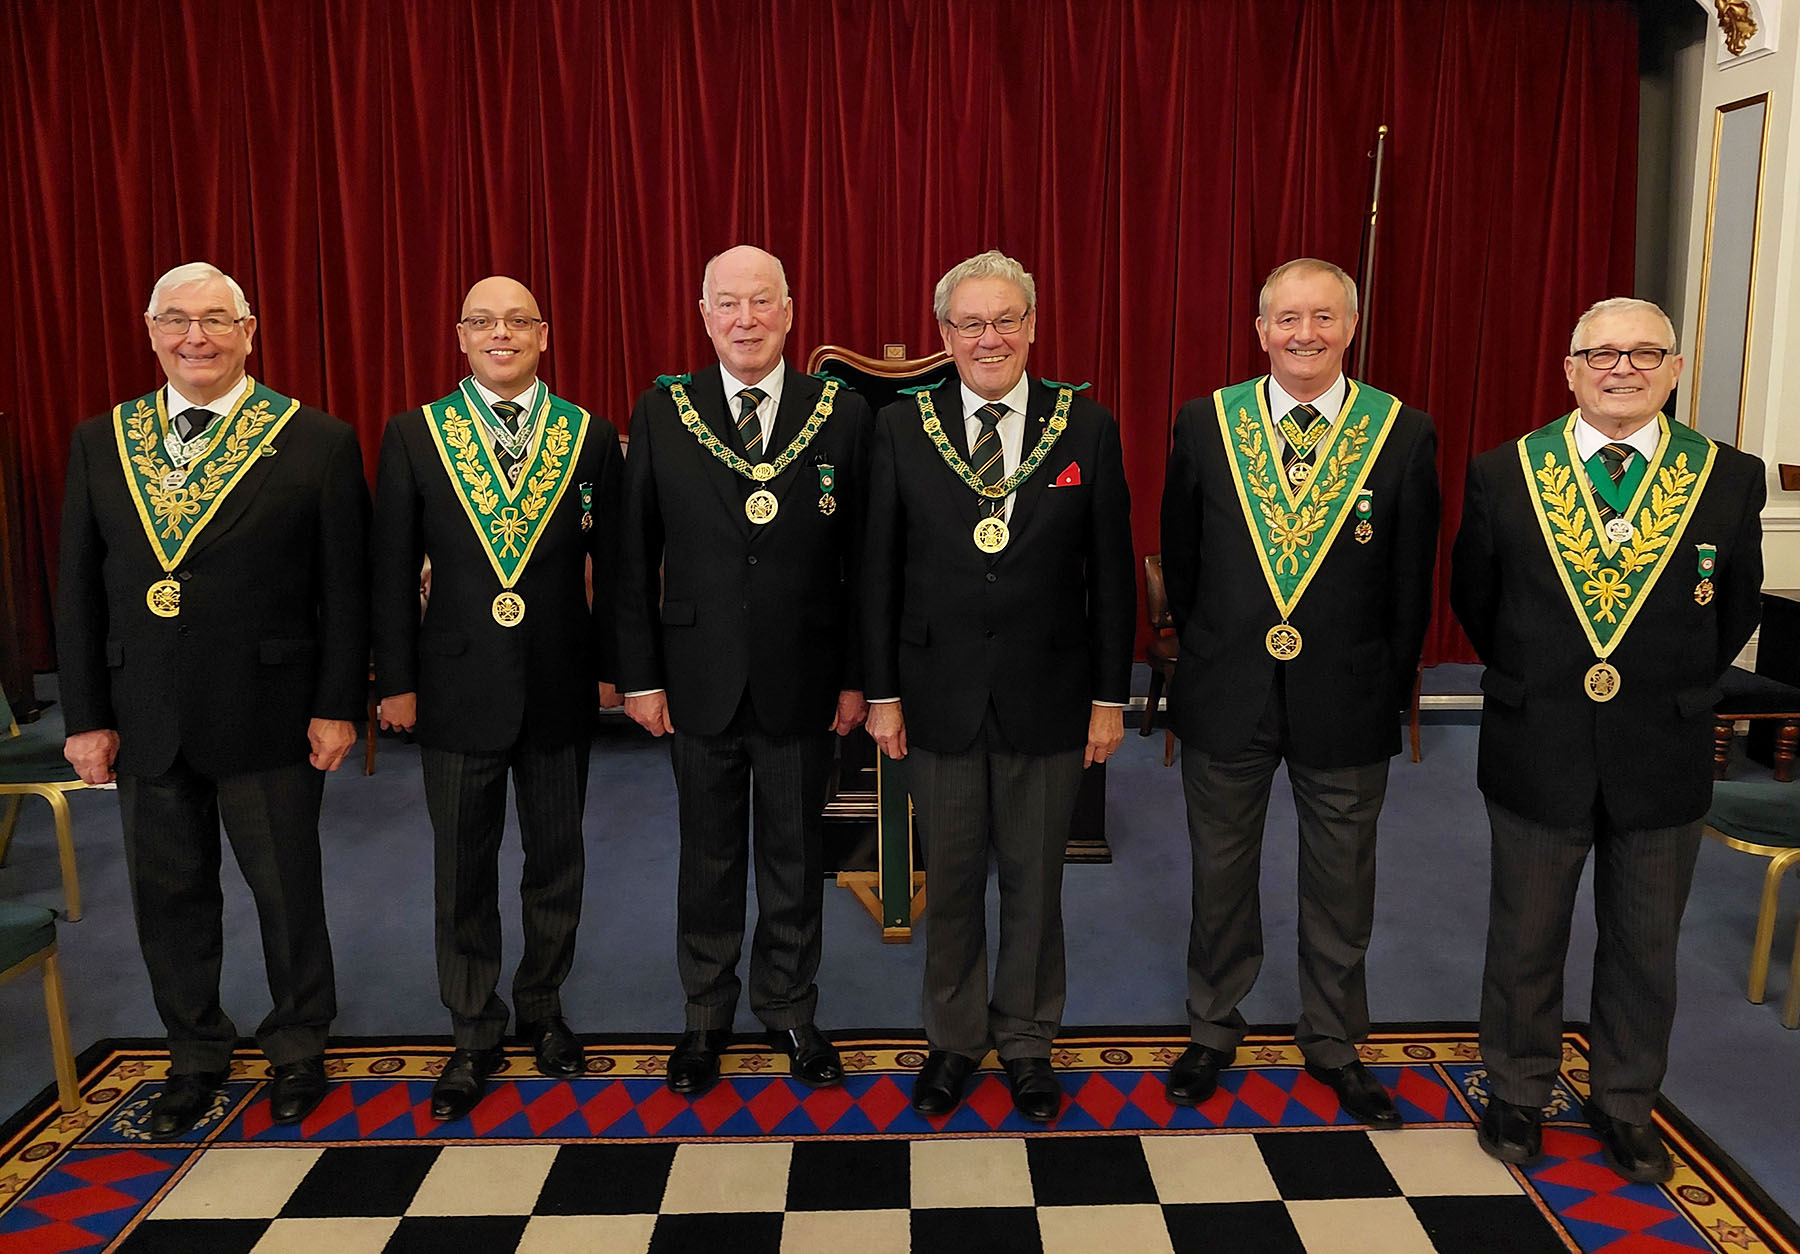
554 1046
185 1098
1632 1150
297 1089
1513 1134
938 1090
465 1077
694 1062
1195 1075
1036 1092
1359 1093
812 1059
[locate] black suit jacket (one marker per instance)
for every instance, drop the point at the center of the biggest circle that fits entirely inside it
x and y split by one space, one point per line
741 606
1361 620
273 626
1044 628
1548 752
484 687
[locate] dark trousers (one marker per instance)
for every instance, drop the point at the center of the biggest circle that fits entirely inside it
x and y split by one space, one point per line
1641 883
1336 809
991 798
466 796
719 781
172 859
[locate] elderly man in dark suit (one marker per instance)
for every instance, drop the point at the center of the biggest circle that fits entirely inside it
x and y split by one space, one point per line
999 607
212 621
745 487
1299 529
511 492
1608 569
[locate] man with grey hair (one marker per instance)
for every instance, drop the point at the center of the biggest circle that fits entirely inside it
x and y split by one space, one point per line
999 606
1608 569
212 638
738 638
1299 535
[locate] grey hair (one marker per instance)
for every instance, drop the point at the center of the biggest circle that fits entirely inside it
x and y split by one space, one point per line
707 274
1621 304
198 272
992 264
1305 265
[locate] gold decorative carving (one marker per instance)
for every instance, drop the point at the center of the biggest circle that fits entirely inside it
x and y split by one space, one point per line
1736 23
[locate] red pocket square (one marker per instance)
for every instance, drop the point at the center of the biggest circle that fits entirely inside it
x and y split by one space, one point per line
1069 478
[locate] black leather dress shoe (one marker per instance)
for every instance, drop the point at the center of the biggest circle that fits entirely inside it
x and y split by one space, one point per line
1359 1093
185 1097
1513 1134
1632 1150
298 1088
812 1059
465 1077
555 1047
1036 1092
694 1062
1195 1075
938 1090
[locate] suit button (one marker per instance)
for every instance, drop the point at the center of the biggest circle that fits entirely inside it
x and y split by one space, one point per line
992 577
751 559
182 630
184 575
743 605
989 633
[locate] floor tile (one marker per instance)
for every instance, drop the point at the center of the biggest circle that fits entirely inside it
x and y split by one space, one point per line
364 1180
238 1184
991 1171
1429 1162
360 1235
1487 1225
744 1177
587 1234
194 1236
1232 1228
1226 1168
1309 1166
607 1180
484 1180
844 1231
1360 1225
1137 1229
1089 1171
743 1233
841 1175
989 1230
437 1234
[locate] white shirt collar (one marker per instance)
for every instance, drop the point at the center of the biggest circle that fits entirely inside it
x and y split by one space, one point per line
490 396
1014 400
770 383
222 405
1589 439
1329 403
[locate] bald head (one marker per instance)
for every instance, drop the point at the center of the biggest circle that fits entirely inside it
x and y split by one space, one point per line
748 313
503 334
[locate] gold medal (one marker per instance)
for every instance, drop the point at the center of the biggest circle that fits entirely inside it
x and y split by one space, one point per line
1703 592
509 608
1297 469
762 472
1282 642
1601 681
1365 532
164 598
172 479
587 522
991 534
761 505
828 505
1619 529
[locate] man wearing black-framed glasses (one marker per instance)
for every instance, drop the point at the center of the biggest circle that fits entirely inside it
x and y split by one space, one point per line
1608 569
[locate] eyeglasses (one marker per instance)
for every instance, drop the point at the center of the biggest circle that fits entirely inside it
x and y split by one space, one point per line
971 329
178 323
1607 358
480 323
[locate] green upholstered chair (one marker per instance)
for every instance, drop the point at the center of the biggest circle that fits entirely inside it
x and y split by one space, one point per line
32 765
28 942
1763 818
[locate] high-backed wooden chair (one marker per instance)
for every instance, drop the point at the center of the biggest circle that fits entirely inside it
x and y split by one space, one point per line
1162 651
1757 698
33 766
28 943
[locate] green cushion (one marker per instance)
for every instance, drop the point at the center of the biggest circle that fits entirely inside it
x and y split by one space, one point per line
1761 811
30 759
24 931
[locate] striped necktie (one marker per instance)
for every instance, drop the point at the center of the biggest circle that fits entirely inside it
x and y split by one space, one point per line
988 457
509 462
1614 457
749 428
1301 435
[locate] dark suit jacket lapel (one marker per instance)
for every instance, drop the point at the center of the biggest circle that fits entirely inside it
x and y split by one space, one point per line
244 494
1040 401
799 393
947 402
707 391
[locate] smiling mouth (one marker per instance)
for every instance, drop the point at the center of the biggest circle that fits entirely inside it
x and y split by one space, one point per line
991 361
1305 352
501 352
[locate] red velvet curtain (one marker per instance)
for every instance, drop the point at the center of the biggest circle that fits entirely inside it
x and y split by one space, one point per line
356 166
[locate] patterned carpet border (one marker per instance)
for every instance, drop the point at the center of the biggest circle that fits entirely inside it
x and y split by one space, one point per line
76 1181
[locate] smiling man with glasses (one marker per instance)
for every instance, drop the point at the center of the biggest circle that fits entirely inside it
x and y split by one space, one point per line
1608 569
211 631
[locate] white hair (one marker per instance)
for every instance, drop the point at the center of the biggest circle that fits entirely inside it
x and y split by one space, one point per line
197 272
1621 304
707 274
1306 265
992 264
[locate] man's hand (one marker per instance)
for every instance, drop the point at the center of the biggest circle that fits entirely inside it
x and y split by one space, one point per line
331 739
399 712
851 709
1106 732
650 712
92 754
888 726
609 696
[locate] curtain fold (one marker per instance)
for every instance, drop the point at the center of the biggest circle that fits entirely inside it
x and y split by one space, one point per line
358 166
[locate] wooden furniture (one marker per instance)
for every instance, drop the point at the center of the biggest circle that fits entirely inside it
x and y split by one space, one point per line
1755 697
1763 818
32 765
28 943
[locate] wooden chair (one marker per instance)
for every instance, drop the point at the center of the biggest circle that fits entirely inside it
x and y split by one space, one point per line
1752 697
28 943
1763 818
1162 651
33 766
